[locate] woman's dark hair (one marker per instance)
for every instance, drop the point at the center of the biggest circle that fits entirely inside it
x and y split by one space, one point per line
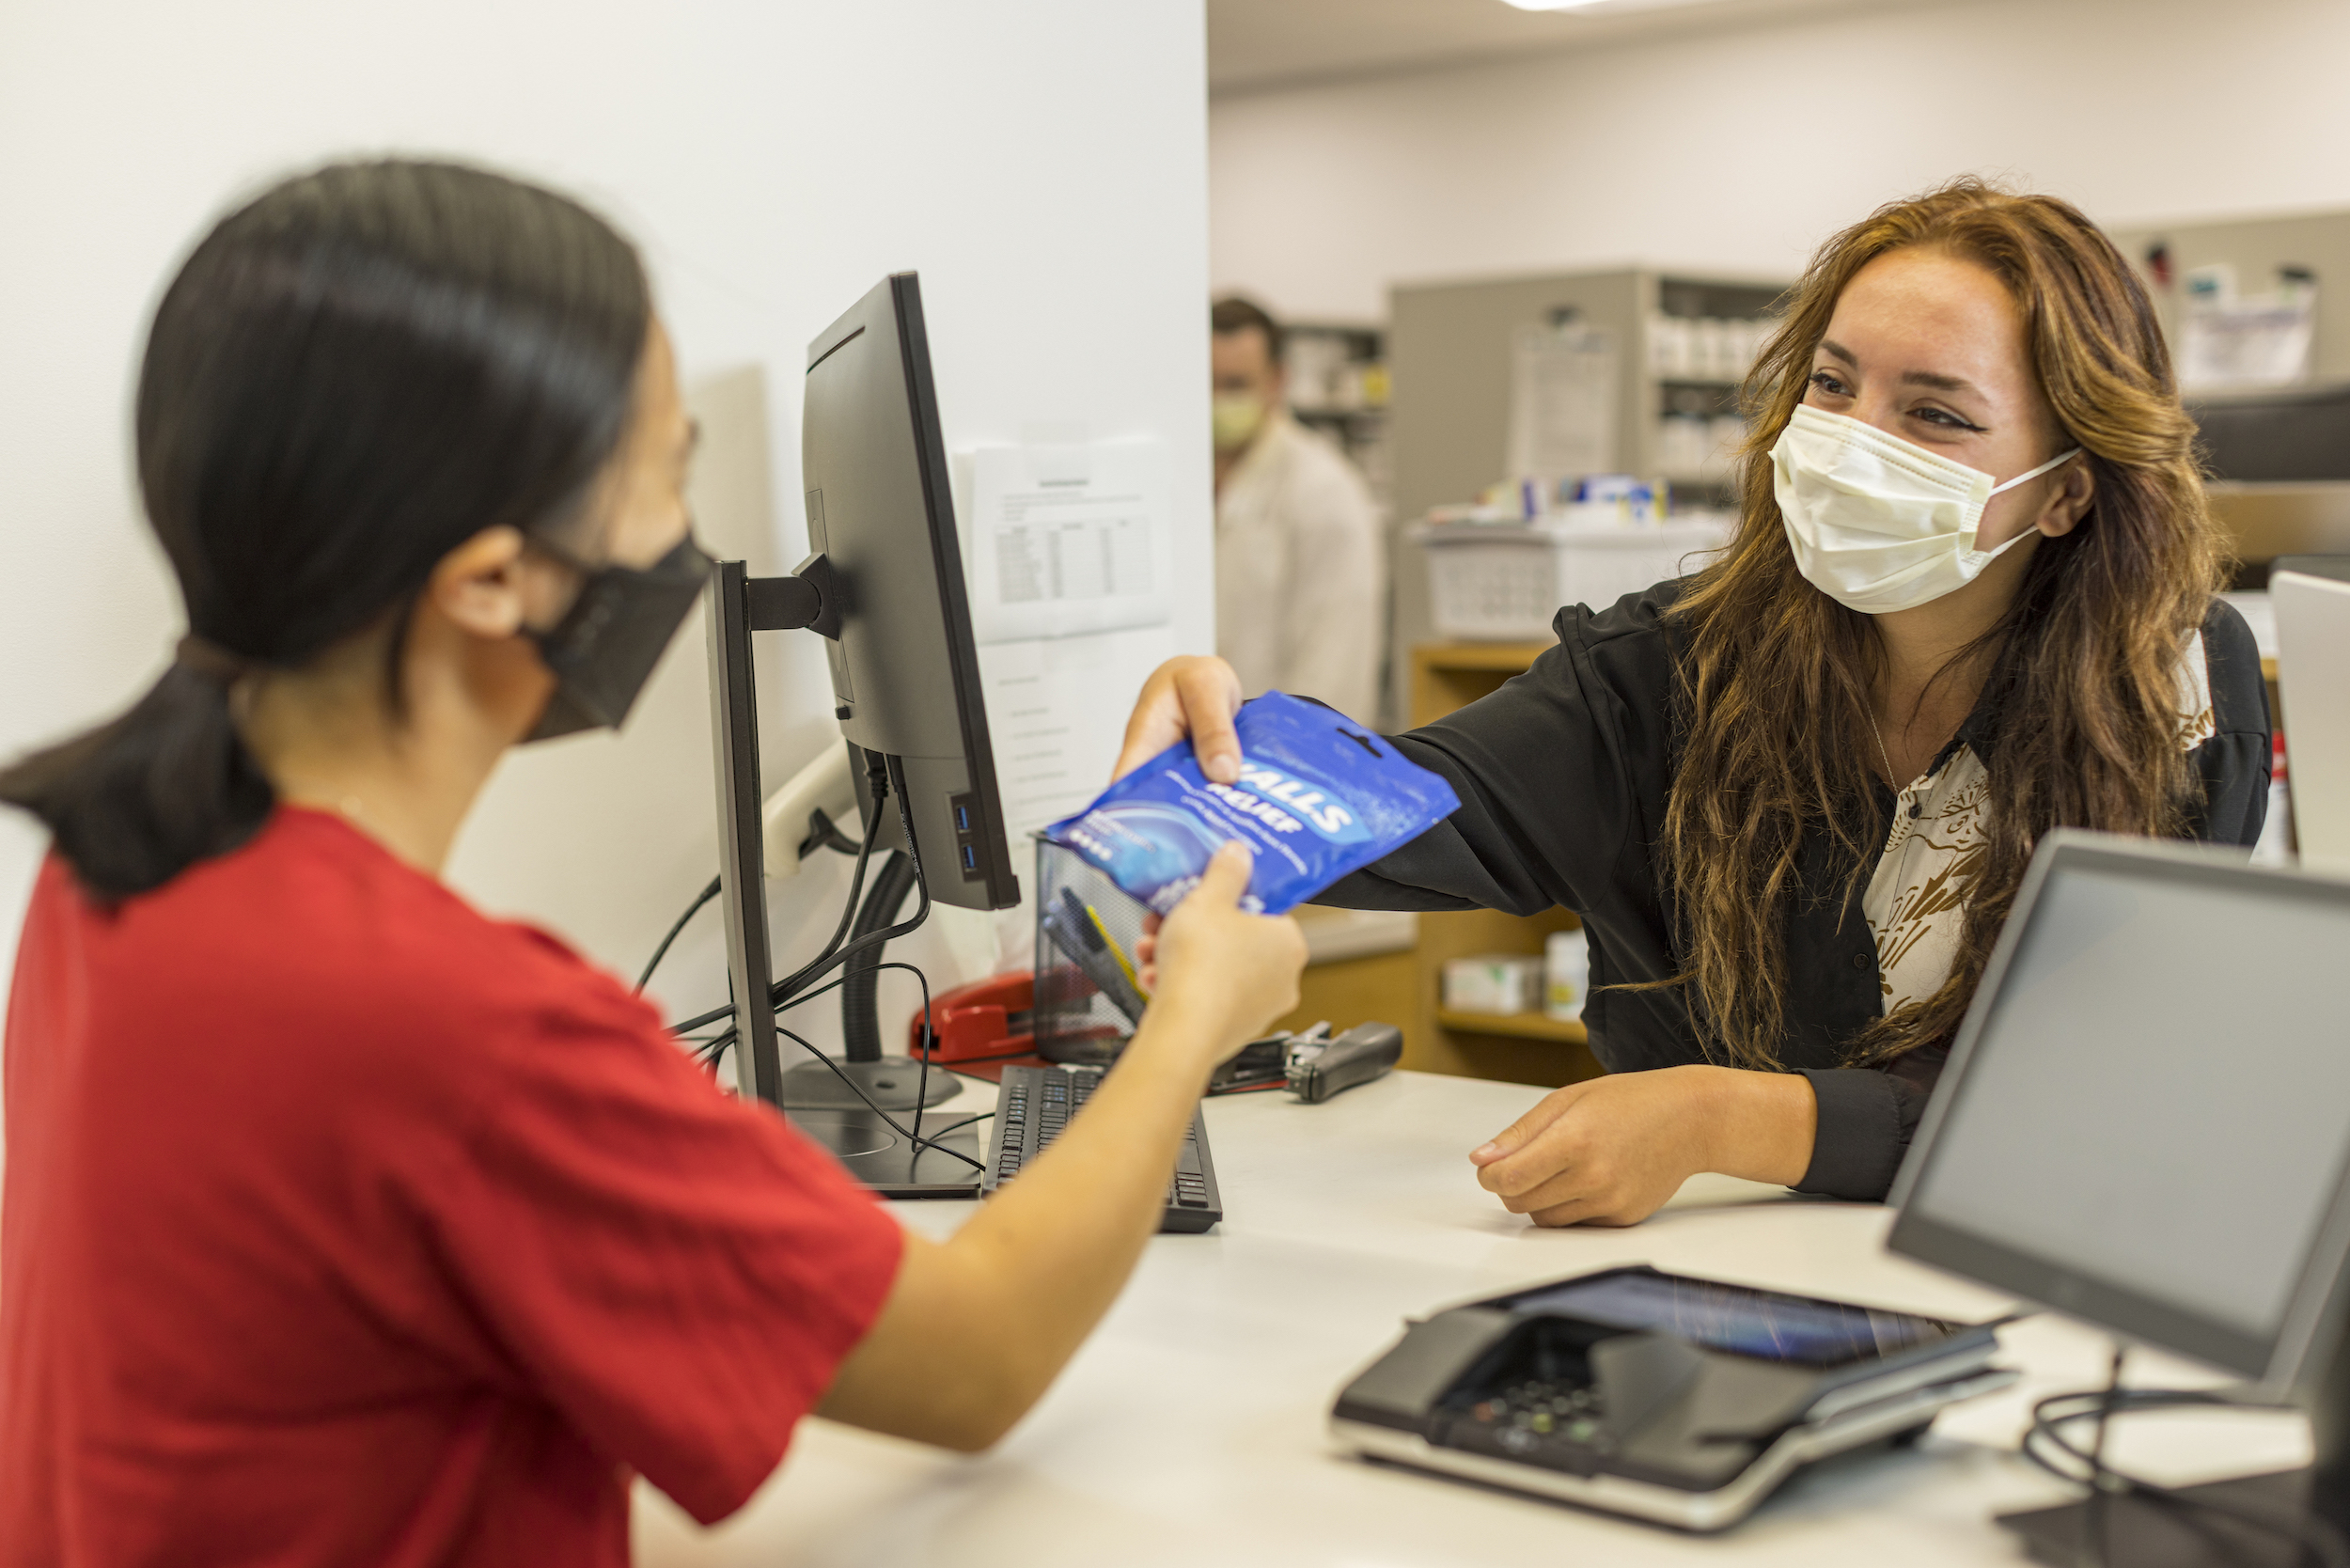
351 375
1233 314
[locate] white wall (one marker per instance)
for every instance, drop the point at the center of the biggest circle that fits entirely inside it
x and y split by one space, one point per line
1740 150
1041 162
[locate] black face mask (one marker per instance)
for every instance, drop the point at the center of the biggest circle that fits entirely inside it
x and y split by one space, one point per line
603 650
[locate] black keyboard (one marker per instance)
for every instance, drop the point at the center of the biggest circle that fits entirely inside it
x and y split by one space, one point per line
1037 1103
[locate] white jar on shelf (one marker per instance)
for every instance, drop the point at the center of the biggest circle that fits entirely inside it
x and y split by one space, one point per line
1682 443
1672 347
1566 973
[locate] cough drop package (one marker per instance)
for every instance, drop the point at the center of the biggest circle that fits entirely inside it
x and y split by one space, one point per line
1318 796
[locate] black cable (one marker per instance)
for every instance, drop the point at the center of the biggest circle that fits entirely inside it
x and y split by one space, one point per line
2104 1412
2313 1533
894 1126
972 1119
786 993
662 951
833 953
848 914
857 887
881 785
782 991
716 1049
860 1021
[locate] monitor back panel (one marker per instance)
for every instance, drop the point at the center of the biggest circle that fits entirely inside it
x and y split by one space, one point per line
2314 684
2147 1116
904 669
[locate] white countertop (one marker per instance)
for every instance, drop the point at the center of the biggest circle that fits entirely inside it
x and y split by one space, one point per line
1190 1430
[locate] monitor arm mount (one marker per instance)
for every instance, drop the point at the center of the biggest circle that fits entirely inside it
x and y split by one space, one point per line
810 599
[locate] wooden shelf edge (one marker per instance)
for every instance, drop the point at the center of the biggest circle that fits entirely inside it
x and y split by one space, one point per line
1512 656
1518 1025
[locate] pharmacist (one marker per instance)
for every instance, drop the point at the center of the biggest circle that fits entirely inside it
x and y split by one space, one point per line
1971 597
1300 584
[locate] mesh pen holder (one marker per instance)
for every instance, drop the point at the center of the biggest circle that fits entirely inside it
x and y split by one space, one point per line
1087 996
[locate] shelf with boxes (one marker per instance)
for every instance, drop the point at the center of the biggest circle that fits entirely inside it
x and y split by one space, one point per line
1699 342
1525 1046
1527 997
1542 383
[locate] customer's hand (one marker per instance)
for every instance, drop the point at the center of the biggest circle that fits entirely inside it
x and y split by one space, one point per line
1222 976
1607 1152
1195 697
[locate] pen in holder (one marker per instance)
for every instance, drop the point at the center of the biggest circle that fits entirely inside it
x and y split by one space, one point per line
1089 988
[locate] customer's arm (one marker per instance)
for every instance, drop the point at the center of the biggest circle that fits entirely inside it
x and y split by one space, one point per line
1559 773
976 1329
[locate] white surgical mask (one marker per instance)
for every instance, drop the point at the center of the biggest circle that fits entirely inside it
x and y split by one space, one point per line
1879 524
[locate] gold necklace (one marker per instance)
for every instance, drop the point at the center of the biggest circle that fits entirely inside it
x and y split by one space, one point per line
1891 777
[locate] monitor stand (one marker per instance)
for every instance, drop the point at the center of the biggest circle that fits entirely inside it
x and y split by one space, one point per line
884 1161
893 1083
876 1155
2149 1532
2130 1531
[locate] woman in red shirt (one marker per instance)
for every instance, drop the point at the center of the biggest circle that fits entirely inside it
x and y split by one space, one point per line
343 1224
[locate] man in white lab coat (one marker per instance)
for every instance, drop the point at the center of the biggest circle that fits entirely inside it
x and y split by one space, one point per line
1300 577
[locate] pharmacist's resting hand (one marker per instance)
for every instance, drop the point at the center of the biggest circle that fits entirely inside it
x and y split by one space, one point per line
1608 1151
1222 974
1196 697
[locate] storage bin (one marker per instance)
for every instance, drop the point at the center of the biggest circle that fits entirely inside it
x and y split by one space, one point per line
1505 582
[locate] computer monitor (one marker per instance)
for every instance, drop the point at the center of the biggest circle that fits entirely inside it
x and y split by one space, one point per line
2144 1121
905 672
2313 655
884 585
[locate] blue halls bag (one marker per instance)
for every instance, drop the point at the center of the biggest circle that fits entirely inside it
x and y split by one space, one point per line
1318 797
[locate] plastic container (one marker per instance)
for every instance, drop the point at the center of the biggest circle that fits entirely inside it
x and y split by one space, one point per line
1085 933
1505 582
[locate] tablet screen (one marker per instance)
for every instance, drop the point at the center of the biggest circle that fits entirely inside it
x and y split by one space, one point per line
1735 1318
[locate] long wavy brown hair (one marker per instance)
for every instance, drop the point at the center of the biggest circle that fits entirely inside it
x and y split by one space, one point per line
1775 676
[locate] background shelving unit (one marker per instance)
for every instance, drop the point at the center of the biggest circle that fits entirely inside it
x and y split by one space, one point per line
1338 384
1450 346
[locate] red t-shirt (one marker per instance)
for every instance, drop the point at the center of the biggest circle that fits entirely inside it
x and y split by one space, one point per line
344 1225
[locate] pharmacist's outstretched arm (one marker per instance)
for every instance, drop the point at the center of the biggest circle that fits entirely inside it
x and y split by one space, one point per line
1193 697
976 1329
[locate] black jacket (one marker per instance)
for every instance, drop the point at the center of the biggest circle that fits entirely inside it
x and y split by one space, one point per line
1563 776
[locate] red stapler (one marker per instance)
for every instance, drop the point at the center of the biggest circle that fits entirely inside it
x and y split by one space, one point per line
989 1021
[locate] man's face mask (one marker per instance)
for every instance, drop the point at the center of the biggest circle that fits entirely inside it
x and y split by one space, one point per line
604 648
1236 419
